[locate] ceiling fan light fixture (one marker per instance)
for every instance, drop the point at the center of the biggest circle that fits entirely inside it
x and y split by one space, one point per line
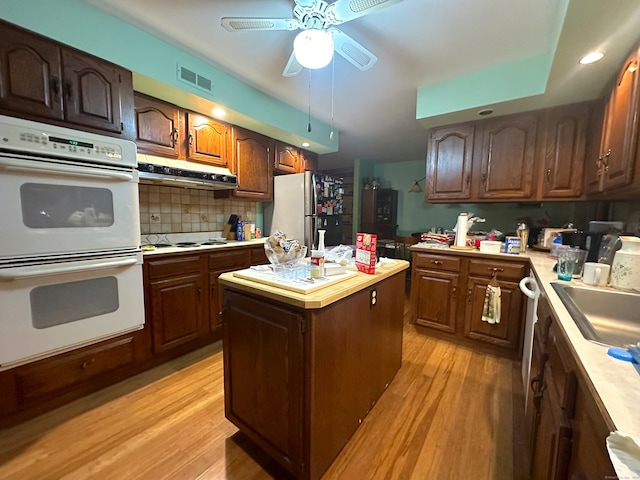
313 48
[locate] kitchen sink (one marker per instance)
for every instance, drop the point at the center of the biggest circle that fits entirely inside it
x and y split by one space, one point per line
604 316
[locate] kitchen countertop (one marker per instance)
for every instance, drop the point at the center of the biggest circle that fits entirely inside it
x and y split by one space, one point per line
203 248
617 383
320 298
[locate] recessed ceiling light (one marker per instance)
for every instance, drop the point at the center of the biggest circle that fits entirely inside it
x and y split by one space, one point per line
305 144
591 57
219 112
486 111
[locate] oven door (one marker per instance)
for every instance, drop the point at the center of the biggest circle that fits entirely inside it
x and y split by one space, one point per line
55 307
51 208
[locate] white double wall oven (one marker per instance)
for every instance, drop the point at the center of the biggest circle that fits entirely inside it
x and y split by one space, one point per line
70 261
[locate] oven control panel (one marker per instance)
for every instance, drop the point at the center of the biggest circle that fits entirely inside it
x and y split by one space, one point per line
27 137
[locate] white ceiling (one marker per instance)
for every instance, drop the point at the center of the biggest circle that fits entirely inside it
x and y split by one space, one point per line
418 43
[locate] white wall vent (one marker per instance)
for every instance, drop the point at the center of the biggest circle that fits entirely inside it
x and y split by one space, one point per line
194 79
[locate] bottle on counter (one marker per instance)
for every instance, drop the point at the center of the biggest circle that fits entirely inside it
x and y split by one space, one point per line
321 240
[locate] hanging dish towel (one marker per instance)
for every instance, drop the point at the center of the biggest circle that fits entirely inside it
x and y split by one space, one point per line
492 304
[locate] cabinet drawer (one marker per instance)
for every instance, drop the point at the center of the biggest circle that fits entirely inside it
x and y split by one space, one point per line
505 270
169 267
237 258
46 377
562 375
437 262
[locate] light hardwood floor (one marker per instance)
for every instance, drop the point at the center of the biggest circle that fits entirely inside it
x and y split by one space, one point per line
450 413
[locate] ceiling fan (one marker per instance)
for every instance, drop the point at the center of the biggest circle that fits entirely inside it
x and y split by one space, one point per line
312 16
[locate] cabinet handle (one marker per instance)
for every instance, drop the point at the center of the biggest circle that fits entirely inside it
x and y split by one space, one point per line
437 262
174 136
55 86
548 176
605 161
534 381
483 179
199 293
67 89
467 179
495 269
469 296
190 139
454 291
87 363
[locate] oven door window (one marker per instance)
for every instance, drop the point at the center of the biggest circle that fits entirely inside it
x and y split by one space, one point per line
65 206
53 305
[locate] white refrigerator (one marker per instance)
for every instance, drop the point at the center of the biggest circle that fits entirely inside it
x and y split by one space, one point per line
304 203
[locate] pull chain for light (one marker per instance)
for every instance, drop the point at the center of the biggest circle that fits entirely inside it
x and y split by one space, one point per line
309 124
333 77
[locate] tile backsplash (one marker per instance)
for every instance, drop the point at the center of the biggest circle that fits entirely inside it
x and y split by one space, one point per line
183 210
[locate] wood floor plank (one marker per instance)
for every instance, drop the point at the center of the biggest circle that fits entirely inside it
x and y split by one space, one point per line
450 413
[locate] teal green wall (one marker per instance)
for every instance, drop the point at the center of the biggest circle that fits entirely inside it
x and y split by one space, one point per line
87 28
414 215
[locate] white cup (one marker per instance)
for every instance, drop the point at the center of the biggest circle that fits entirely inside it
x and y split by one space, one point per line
596 274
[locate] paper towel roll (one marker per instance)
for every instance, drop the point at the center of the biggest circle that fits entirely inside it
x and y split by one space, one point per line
461 230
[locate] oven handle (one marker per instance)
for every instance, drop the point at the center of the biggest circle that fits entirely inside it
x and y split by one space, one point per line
78 172
20 273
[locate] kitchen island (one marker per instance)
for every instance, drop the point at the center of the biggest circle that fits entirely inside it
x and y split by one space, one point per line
303 370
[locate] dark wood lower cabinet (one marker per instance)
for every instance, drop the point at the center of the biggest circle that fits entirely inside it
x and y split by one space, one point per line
299 382
568 430
448 293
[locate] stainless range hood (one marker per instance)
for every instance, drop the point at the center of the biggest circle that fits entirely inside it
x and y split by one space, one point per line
180 173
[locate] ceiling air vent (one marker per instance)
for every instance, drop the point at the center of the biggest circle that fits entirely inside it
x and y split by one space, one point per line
195 79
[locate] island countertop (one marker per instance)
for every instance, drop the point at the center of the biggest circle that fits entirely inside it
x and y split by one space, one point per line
320 298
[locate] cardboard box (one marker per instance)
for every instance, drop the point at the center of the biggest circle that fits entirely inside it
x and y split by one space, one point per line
366 252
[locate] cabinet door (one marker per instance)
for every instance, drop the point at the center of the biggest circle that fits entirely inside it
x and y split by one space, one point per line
621 127
177 313
158 127
553 440
209 141
253 155
263 372
435 297
309 161
449 162
563 151
504 334
92 91
508 157
287 158
30 74
219 263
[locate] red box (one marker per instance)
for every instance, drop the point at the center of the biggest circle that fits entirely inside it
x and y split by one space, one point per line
366 252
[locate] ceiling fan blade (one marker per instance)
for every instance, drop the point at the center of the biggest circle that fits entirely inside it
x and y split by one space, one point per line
238 24
351 50
342 11
293 67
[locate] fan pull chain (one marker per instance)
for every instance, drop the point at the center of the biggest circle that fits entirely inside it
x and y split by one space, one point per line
333 77
309 124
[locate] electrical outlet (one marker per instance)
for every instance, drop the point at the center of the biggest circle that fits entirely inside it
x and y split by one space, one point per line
154 218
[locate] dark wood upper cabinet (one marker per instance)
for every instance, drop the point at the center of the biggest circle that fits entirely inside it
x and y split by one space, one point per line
41 79
508 158
287 159
619 151
30 74
309 161
563 151
209 141
91 89
253 154
159 126
449 158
